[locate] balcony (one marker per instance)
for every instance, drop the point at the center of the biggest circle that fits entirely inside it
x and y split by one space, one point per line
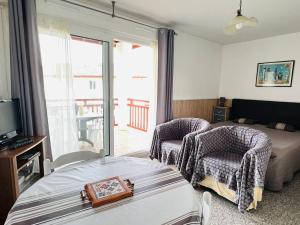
131 125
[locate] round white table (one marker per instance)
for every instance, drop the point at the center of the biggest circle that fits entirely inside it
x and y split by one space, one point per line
162 196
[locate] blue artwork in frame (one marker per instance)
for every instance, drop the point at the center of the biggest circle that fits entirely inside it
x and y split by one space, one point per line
275 74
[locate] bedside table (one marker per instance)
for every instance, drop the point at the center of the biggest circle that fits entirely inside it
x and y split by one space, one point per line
220 114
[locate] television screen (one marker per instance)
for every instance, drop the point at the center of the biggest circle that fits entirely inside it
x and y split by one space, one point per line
9 118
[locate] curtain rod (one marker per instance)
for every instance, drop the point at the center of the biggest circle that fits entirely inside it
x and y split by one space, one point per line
113 15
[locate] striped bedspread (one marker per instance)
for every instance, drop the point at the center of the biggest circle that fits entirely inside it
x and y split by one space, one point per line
161 196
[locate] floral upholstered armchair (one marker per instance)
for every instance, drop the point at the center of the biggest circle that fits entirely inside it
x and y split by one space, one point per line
172 139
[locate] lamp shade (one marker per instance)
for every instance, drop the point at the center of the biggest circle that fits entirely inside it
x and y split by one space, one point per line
252 22
238 23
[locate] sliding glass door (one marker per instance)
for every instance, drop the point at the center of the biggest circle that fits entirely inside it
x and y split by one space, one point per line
100 94
77 94
89 71
134 97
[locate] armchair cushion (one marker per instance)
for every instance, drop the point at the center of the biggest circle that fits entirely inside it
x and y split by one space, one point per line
218 153
223 165
180 130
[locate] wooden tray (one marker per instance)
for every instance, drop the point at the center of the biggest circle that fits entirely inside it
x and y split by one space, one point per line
108 190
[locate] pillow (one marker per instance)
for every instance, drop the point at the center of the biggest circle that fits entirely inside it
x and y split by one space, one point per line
281 126
244 121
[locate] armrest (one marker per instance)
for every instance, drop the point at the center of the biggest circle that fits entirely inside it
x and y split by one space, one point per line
167 131
217 139
200 131
252 171
257 159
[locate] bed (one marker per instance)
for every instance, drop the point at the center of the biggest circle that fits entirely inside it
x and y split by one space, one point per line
285 158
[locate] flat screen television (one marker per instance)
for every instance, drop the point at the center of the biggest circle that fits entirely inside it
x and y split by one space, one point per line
10 120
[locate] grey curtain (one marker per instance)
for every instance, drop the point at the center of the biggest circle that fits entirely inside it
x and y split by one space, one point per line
165 75
27 82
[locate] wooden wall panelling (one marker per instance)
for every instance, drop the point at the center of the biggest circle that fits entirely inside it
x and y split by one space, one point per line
228 103
199 108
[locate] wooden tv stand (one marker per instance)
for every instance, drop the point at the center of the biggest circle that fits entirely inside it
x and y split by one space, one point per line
10 167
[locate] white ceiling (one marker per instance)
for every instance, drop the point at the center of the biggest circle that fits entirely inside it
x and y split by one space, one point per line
207 18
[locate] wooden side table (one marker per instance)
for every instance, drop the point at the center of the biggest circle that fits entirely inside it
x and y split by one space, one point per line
220 114
12 165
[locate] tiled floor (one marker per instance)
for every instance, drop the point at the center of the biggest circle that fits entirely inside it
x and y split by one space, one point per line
276 208
128 141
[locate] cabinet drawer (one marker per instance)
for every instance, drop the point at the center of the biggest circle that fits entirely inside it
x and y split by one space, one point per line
220 111
219 118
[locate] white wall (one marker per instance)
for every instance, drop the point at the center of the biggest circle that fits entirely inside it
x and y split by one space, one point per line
239 65
197 68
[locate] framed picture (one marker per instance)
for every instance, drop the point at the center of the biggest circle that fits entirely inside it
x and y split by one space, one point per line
275 74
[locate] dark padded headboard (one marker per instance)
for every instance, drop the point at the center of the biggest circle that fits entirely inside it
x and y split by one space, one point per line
267 111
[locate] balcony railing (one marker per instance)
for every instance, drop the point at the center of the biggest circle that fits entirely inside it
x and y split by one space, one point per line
138 114
92 106
138 111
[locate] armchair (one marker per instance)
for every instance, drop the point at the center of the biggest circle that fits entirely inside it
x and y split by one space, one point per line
235 156
170 138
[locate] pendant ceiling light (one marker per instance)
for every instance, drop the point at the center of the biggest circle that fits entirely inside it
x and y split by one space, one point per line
240 22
